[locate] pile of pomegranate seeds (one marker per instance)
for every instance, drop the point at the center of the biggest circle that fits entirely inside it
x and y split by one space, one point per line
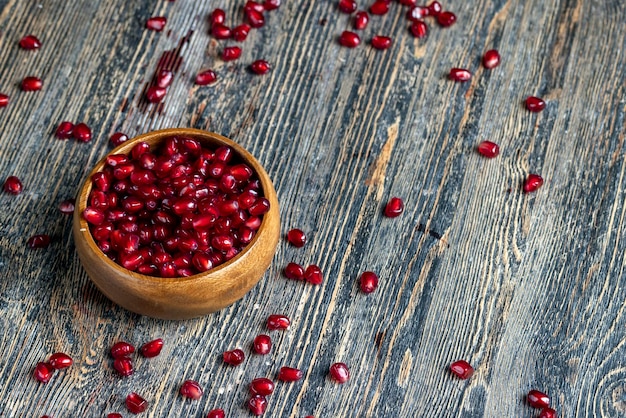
339 372
462 369
13 185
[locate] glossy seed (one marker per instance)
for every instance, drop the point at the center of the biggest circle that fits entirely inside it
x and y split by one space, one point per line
462 369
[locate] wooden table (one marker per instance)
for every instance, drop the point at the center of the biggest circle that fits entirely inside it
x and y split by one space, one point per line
529 288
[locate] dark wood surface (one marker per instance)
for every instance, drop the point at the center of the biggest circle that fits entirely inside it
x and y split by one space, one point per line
529 288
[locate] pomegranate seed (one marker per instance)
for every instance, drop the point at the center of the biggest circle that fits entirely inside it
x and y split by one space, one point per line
538 399
394 207
66 207
296 237
218 17
4 100
262 344
164 78
82 132
234 357
313 274
123 365
368 282
462 369
39 241
488 149
349 39
135 403
419 29
339 372
407 2
155 94
152 348
65 130
60 361
381 42
294 271
361 19
118 138
231 53
275 322
216 413
255 18
260 67
446 19
547 413
156 23
43 372
417 13
30 42
122 349
93 216
206 77
13 185
240 33
379 8
191 389
257 405
532 183
271 4
347 6
31 84
535 104
114 415
434 8
459 74
491 59
262 386
220 31
289 374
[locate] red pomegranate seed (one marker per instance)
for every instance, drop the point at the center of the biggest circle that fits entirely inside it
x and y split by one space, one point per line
532 183
43 372
262 386
206 77
419 29
368 282
4 100
446 19
488 149
155 94
164 78
434 8
234 357
361 19
31 84
275 322
60 361
253 5
339 372
491 59
379 8
122 349
394 207
296 237
114 415
381 42
459 74
218 17
313 274
65 130
255 18
30 42
118 138
152 348
13 185
82 132
156 23
221 31
547 413
289 374
39 241
538 399
135 403
93 216
123 365
216 413
231 53
191 389
349 39
66 207
260 67
462 369
240 33
535 104
407 2
257 405
271 4
347 6
417 13
262 344
294 271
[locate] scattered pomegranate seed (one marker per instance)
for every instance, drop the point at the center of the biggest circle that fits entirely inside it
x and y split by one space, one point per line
13 185
535 104
123 365
252 5
118 138
296 237
255 18
122 349
220 31
240 33
4 100
289 374
491 59
381 42
260 67
30 42
43 372
135 403
339 372
347 6
234 357
271 4
417 13
65 130
349 39
313 274
231 53
446 19
379 7
462 369
532 183
547 413
361 19
394 207
262 386
434 8
152 348
155 94
488 149
262 344
206 77
60 361
275 322
82 132
294 271
216 413
31 84
419 29
191 389
114 415
164 78
39 241
257 405
156 23
217 17
459 74
407 2
368 282
538 399
66 207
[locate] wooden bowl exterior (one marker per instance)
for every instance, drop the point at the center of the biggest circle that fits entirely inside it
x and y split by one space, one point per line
184 297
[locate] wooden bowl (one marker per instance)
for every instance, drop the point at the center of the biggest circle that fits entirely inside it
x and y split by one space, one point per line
183 297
